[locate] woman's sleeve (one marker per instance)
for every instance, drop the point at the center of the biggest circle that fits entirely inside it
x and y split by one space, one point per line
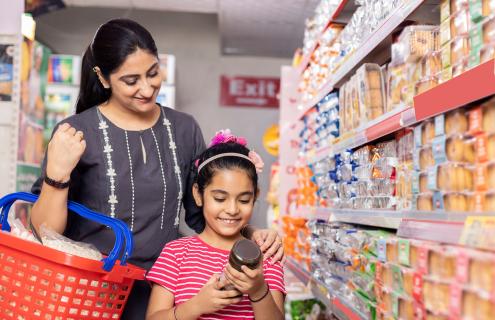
194 217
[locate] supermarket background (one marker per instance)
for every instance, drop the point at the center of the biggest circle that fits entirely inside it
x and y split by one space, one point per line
380 146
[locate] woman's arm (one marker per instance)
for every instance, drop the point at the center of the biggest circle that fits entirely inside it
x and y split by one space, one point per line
269 241
64 152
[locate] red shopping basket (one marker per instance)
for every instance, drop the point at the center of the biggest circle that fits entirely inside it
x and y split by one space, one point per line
37 282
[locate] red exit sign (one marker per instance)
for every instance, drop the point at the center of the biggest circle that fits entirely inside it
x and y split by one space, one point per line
249 92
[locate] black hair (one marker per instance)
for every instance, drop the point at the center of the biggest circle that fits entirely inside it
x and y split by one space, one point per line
113 42
204 177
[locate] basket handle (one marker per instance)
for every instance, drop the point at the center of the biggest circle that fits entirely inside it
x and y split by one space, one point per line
119 227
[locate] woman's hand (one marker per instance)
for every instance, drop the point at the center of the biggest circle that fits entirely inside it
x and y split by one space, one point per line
64 152
250 282
270 244
212 298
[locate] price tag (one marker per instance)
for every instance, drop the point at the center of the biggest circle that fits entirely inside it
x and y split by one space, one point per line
382 250
404 248
462 272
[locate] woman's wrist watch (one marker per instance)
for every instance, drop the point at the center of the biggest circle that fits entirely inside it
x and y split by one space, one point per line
56 184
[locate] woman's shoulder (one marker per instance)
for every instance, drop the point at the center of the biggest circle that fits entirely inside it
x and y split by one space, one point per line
83 120
176 116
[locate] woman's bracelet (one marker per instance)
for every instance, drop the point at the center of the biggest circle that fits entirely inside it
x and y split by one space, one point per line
263 297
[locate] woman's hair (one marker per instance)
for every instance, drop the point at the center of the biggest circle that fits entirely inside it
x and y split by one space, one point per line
206 174
112 43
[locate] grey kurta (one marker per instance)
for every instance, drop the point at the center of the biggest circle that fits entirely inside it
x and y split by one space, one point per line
90 185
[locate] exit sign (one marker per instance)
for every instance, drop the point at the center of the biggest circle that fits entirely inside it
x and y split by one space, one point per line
249 92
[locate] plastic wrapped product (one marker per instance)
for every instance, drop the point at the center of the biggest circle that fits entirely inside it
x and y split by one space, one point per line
482 118
396 80
426 159
363 155
459 49
476 305
428 131
445 32
424 202
489 30
454 122
479 272
458 5
460 67
487 52
451 176
460 23
425 85
418 41
387 149
436 296
444 10
455 148
488 7
431 64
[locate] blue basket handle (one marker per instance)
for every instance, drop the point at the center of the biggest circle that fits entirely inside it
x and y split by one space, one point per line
119 227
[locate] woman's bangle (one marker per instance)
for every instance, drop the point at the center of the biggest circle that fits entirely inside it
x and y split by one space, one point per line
263 297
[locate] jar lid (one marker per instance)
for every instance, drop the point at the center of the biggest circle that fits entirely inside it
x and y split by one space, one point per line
245 252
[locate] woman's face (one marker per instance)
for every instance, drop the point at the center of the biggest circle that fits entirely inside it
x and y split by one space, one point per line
227 202
136 83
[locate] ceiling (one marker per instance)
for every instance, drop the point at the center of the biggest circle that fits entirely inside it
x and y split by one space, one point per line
272 28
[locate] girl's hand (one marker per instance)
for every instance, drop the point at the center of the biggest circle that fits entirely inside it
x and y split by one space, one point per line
250 282
64 152
270 244
212 298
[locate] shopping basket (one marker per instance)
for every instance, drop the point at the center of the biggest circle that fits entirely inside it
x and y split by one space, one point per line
38 282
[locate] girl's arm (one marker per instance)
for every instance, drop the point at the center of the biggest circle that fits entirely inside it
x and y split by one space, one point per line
208 300
269 241
266 303
270 307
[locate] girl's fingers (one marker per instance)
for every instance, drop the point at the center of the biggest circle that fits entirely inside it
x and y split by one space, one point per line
279 256
270 238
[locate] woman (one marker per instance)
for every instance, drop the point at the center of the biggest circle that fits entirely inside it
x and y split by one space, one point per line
124 155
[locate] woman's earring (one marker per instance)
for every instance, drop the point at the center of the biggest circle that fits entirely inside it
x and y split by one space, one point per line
95 70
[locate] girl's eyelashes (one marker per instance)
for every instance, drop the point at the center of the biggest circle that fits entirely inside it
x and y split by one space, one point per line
219 199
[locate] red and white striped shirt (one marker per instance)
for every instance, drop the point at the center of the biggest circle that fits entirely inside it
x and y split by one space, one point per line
186 264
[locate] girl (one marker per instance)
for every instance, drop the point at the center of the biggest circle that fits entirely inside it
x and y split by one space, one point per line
124 155
186 277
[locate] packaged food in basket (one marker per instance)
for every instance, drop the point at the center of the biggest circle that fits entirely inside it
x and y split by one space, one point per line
418 41
58 242
476 305
454 202
357 115
460 67
436 296
478 272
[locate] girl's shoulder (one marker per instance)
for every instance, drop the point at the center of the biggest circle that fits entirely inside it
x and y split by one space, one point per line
182 243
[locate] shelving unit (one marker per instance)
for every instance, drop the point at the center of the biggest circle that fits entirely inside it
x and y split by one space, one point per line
336 304
374 46
452 94
342 14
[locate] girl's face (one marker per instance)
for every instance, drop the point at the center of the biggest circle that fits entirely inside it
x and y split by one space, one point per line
227 202
136 83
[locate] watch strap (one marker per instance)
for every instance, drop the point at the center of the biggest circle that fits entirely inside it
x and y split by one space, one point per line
55 183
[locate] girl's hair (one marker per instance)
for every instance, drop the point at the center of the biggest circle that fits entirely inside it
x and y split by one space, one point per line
113 42
205 175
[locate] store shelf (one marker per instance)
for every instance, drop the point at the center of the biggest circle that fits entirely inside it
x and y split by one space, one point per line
341 15
301 273
459 91
376 47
